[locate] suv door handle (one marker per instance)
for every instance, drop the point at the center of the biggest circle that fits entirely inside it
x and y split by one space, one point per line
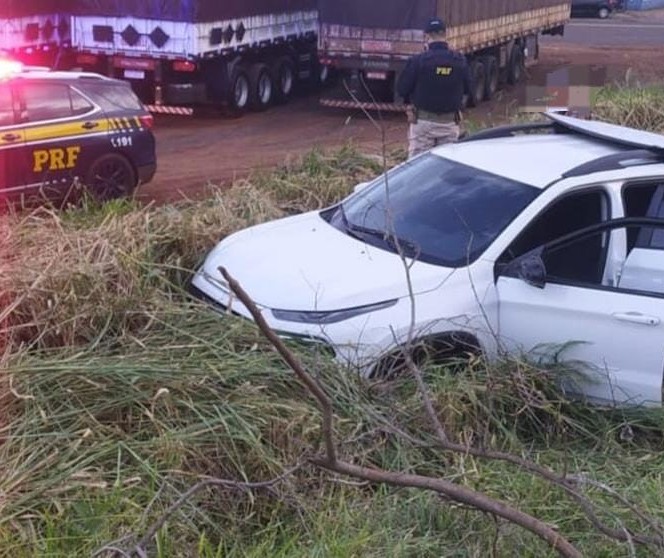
11 137
637 318
90 125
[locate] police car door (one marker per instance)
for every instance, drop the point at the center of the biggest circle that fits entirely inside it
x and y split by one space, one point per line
64 132
12 156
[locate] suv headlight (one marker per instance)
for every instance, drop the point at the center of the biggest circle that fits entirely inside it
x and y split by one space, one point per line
330 316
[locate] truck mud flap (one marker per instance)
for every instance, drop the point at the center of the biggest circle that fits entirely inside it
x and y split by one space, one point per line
387 107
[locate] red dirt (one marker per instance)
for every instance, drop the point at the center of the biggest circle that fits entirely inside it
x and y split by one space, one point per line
193 153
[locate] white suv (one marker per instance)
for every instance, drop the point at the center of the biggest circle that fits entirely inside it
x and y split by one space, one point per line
518 239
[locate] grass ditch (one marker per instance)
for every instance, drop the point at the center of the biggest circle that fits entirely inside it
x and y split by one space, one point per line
119 392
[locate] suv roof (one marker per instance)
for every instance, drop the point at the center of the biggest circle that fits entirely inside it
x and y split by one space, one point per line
541 153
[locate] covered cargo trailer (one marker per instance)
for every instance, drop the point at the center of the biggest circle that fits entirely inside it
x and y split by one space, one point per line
183 54
35 32
369 42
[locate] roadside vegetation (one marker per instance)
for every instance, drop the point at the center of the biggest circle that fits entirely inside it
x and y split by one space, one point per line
120 393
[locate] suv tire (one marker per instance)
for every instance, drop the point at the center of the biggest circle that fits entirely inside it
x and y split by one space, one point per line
111 177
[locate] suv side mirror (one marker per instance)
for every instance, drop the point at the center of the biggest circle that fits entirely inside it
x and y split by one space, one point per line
361 186
529 268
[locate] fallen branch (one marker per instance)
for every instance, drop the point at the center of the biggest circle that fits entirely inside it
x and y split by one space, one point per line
477 500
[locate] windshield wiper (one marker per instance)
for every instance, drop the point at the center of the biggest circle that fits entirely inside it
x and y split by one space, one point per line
397 244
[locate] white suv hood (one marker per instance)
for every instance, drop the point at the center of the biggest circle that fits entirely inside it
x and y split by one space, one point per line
303 263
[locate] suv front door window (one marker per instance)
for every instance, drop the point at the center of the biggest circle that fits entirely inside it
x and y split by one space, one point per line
595 322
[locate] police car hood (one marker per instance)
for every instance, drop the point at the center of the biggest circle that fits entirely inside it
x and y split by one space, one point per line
304 263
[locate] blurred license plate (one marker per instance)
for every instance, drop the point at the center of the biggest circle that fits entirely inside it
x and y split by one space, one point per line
377 46
134 74
376 75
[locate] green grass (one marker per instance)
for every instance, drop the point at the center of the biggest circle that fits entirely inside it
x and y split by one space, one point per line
119 393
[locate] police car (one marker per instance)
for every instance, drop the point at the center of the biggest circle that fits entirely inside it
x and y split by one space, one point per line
65 132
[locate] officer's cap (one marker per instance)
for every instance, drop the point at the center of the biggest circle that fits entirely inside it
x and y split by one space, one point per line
435 25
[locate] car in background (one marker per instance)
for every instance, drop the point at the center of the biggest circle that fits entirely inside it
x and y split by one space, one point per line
517 240
595 8
65 132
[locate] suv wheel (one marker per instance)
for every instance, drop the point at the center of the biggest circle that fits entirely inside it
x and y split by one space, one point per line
110 177
603 13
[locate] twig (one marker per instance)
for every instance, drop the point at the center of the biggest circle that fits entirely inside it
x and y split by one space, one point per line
293 363
114 549
154 528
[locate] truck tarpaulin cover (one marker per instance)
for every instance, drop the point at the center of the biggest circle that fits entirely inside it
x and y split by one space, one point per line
23 8
382 14
190 10
413 14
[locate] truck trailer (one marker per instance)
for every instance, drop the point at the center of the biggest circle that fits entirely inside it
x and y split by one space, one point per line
368 42
183 54
35 32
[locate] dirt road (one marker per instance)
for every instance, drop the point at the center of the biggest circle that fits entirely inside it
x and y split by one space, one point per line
213 150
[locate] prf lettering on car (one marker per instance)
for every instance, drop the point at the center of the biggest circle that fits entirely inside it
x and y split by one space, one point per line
55 159
443 70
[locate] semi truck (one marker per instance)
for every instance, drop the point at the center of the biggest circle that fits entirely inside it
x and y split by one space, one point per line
35 32
180 55
368 43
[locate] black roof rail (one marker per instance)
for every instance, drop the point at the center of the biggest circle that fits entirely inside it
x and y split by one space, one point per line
617 161
512 130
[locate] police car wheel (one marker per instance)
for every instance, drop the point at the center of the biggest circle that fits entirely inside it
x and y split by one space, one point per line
110 177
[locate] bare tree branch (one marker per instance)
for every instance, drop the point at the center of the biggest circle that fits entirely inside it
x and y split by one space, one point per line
477 500
461 494
314 389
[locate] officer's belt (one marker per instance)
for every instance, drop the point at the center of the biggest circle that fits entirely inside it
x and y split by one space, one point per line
436 116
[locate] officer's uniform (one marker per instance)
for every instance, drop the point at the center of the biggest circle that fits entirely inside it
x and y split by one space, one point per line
434 82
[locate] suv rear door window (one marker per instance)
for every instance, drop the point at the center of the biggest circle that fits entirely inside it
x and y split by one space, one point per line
52 101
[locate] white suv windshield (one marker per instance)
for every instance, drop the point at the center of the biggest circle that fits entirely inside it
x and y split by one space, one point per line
442 212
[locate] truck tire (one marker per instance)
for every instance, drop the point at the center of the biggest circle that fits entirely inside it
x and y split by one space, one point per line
492 76
110 177
516 65
478 79
239 90
284 74
261 92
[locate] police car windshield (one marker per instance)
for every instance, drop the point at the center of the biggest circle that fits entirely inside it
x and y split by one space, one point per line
442 212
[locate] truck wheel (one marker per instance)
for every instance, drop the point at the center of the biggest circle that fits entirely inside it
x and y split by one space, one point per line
516 65
479 79
239 90
491 74
110 177
284 79
261 87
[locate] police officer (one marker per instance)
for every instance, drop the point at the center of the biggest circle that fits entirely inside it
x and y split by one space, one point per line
434 83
